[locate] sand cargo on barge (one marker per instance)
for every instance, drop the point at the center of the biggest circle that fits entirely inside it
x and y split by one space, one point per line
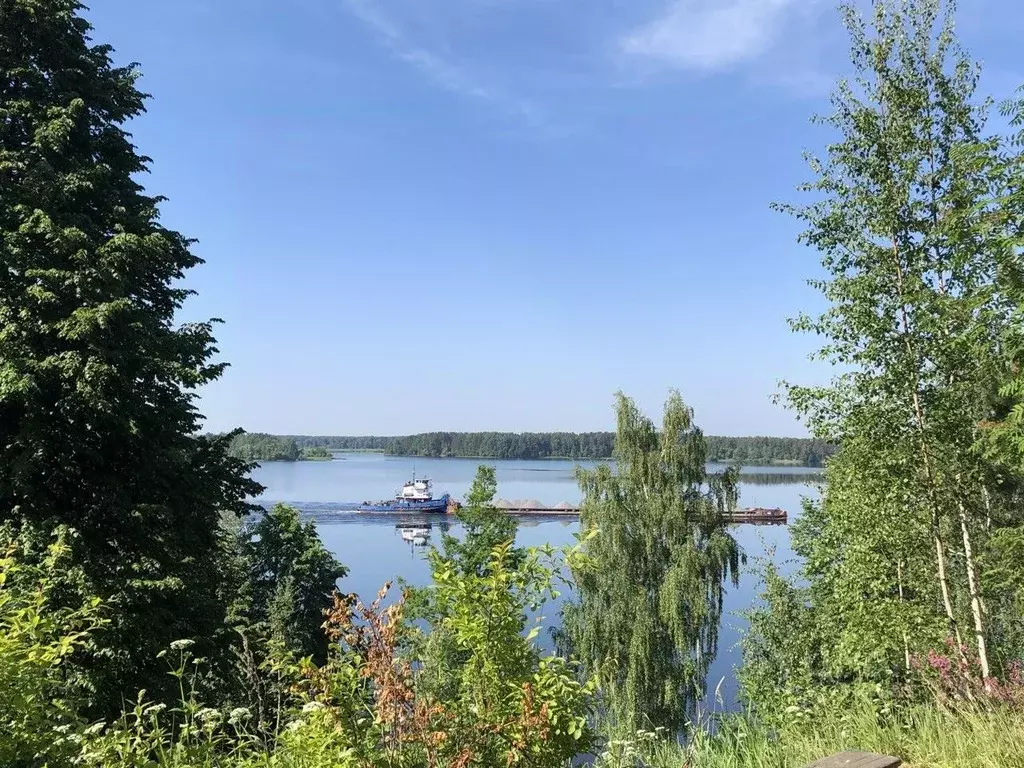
766 515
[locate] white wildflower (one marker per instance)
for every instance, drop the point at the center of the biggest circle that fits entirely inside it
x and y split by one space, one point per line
181 645
154 709
239 715
294 725
208 714
312 706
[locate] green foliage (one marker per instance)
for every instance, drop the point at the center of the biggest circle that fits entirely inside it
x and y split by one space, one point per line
316 454
505 445
918 534
368 443
499 675
38 704
760 451
260 447
1004 592
485 530
184 734
656 555
366 708
97 384
866 607
289 578
807 654
912 219
1003 438
782 652
484 527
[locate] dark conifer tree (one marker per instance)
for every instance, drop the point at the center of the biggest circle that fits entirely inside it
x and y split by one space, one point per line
98 423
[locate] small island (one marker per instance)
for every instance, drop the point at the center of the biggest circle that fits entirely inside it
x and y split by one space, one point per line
315 453
258 446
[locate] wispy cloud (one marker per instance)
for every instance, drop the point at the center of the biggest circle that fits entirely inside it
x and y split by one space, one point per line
476 49
710 34
441 69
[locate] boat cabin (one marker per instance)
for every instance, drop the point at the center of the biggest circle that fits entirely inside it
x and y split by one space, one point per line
416 490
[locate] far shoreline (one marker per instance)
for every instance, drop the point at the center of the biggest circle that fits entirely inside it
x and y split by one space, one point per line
777 464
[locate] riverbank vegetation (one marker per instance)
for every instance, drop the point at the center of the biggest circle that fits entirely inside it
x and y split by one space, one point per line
149 616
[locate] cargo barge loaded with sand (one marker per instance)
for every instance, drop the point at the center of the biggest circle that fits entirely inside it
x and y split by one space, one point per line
526 507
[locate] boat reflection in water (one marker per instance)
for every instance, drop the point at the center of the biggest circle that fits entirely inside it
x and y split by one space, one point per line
415 535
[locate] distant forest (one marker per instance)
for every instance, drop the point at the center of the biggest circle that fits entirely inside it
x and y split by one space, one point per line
795 451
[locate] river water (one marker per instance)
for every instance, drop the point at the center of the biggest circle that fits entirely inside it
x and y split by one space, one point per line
375 552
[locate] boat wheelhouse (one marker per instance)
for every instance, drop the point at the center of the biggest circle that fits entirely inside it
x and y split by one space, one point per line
417 490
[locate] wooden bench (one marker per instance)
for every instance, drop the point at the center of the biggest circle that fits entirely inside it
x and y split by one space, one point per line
857 760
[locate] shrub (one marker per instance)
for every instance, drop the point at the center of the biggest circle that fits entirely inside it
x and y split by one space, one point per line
38 702
365 706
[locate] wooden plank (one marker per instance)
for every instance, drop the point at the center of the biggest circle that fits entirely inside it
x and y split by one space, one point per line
857 760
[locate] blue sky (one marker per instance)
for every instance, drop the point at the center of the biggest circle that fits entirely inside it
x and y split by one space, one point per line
492 214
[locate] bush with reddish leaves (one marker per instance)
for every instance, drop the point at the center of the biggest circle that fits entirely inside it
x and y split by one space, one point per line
505 704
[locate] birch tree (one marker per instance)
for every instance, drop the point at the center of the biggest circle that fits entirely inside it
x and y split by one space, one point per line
911 243
660 556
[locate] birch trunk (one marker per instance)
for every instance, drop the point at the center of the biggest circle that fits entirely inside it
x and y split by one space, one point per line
977 611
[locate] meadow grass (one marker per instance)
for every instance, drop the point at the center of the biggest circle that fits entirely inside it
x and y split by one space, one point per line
922 736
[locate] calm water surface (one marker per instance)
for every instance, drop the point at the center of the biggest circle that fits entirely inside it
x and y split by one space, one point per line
375 552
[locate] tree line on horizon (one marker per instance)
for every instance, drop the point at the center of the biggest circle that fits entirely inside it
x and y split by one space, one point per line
800 451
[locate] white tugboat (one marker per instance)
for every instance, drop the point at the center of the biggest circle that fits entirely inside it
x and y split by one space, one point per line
417 495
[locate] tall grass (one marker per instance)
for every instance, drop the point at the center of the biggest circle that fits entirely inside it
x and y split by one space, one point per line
923 736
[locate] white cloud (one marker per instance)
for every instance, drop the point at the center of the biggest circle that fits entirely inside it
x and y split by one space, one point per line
709 34
440 69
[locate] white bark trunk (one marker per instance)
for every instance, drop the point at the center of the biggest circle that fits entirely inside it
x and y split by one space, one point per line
906 639
977 611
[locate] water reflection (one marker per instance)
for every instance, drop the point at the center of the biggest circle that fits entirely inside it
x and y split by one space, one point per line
414 535
782 478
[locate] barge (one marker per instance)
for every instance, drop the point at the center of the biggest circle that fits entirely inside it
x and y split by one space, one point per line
526 507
